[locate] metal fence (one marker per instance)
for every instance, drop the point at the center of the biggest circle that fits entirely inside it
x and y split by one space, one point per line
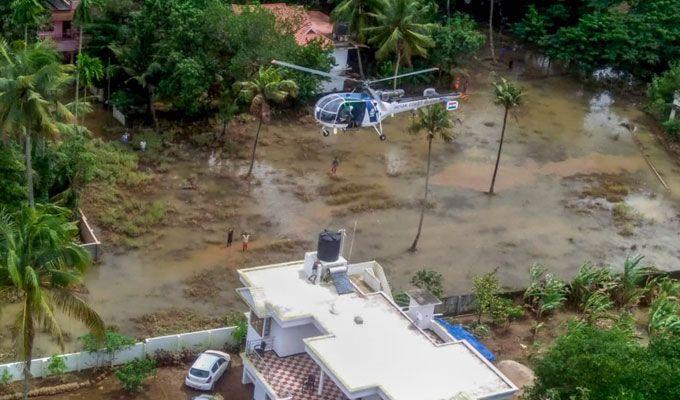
201 340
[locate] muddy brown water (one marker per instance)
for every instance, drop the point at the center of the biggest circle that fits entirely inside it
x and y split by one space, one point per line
563 139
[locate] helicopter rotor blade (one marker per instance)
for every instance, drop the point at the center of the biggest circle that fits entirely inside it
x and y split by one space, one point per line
422 71
313 71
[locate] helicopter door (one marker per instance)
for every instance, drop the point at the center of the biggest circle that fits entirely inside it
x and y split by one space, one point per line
372 112
358 111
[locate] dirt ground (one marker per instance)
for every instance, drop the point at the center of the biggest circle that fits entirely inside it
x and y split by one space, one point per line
168 384
570 166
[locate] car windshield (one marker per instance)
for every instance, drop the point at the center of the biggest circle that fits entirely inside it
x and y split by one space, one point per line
199 373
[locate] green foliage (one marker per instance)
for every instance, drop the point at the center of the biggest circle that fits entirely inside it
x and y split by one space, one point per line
664 315
12 175
90 69
434 121
458 38
673 128
545 293
590 279
113 342
40 259
358 14
241 332
507 94
596 305
132 374
661 90
429 280
5 378
56 365
314 55
401 27
402 299
533 28
503 310
485 288
607 365
629 292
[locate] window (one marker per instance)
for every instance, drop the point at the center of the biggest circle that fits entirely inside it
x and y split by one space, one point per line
215 367
199 373
267 327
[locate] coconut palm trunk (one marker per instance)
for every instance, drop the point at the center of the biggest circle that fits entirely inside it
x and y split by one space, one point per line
80 49
152 109
252 157
28 336
414 246
491 46
29 168
500 147
396 69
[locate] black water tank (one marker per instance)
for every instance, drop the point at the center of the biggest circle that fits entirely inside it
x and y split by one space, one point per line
329 246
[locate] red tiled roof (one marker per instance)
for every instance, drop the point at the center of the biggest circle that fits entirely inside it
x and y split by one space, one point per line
311 24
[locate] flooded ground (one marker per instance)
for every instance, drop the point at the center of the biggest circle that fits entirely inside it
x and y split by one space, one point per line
571 158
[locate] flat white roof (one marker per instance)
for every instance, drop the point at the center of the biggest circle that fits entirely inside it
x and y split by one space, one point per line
386 351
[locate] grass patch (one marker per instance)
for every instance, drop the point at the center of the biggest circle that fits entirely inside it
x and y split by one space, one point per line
132 217
608 189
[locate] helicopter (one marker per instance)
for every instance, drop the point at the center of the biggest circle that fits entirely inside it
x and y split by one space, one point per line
368 107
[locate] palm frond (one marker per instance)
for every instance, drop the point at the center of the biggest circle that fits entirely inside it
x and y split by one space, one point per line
78 309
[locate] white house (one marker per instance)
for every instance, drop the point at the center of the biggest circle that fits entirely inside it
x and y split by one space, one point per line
323 328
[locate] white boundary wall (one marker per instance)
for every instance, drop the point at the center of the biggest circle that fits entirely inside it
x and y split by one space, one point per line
201 340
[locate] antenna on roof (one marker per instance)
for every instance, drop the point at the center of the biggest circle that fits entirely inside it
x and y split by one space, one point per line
351 244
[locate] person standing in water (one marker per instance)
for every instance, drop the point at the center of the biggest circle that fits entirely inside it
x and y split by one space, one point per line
245 238
334 165
230 236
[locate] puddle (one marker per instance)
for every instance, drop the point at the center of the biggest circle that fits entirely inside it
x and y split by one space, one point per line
653 209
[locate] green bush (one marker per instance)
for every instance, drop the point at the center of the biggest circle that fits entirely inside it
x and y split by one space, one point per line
545 293
608 365
455 40
56 365
239 321
429 280
484 288
5 379
661 89
503 310
113 343
672 128
402 299
132 374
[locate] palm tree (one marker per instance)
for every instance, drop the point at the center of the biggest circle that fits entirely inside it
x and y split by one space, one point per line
139 66
40 260
32 81
27 13
399 29
434 121
88 69
81 17
265 87
493 50
508 96
357 14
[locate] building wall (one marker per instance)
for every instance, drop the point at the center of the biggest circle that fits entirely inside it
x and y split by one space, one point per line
288 341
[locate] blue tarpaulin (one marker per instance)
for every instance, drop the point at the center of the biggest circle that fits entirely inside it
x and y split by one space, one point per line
458 332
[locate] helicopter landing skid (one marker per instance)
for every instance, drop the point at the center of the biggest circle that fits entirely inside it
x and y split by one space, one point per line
380 133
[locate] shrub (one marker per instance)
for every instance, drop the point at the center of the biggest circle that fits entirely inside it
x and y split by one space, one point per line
5 379
503 310
113 343
402 299
607 364
132 374
672 128
484 288
57 365
589 280
429 280
545 293
241 332
661 89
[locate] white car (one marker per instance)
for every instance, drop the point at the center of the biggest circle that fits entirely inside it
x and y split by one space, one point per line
207 370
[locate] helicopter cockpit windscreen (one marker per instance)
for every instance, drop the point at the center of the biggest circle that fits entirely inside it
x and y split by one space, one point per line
327 109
